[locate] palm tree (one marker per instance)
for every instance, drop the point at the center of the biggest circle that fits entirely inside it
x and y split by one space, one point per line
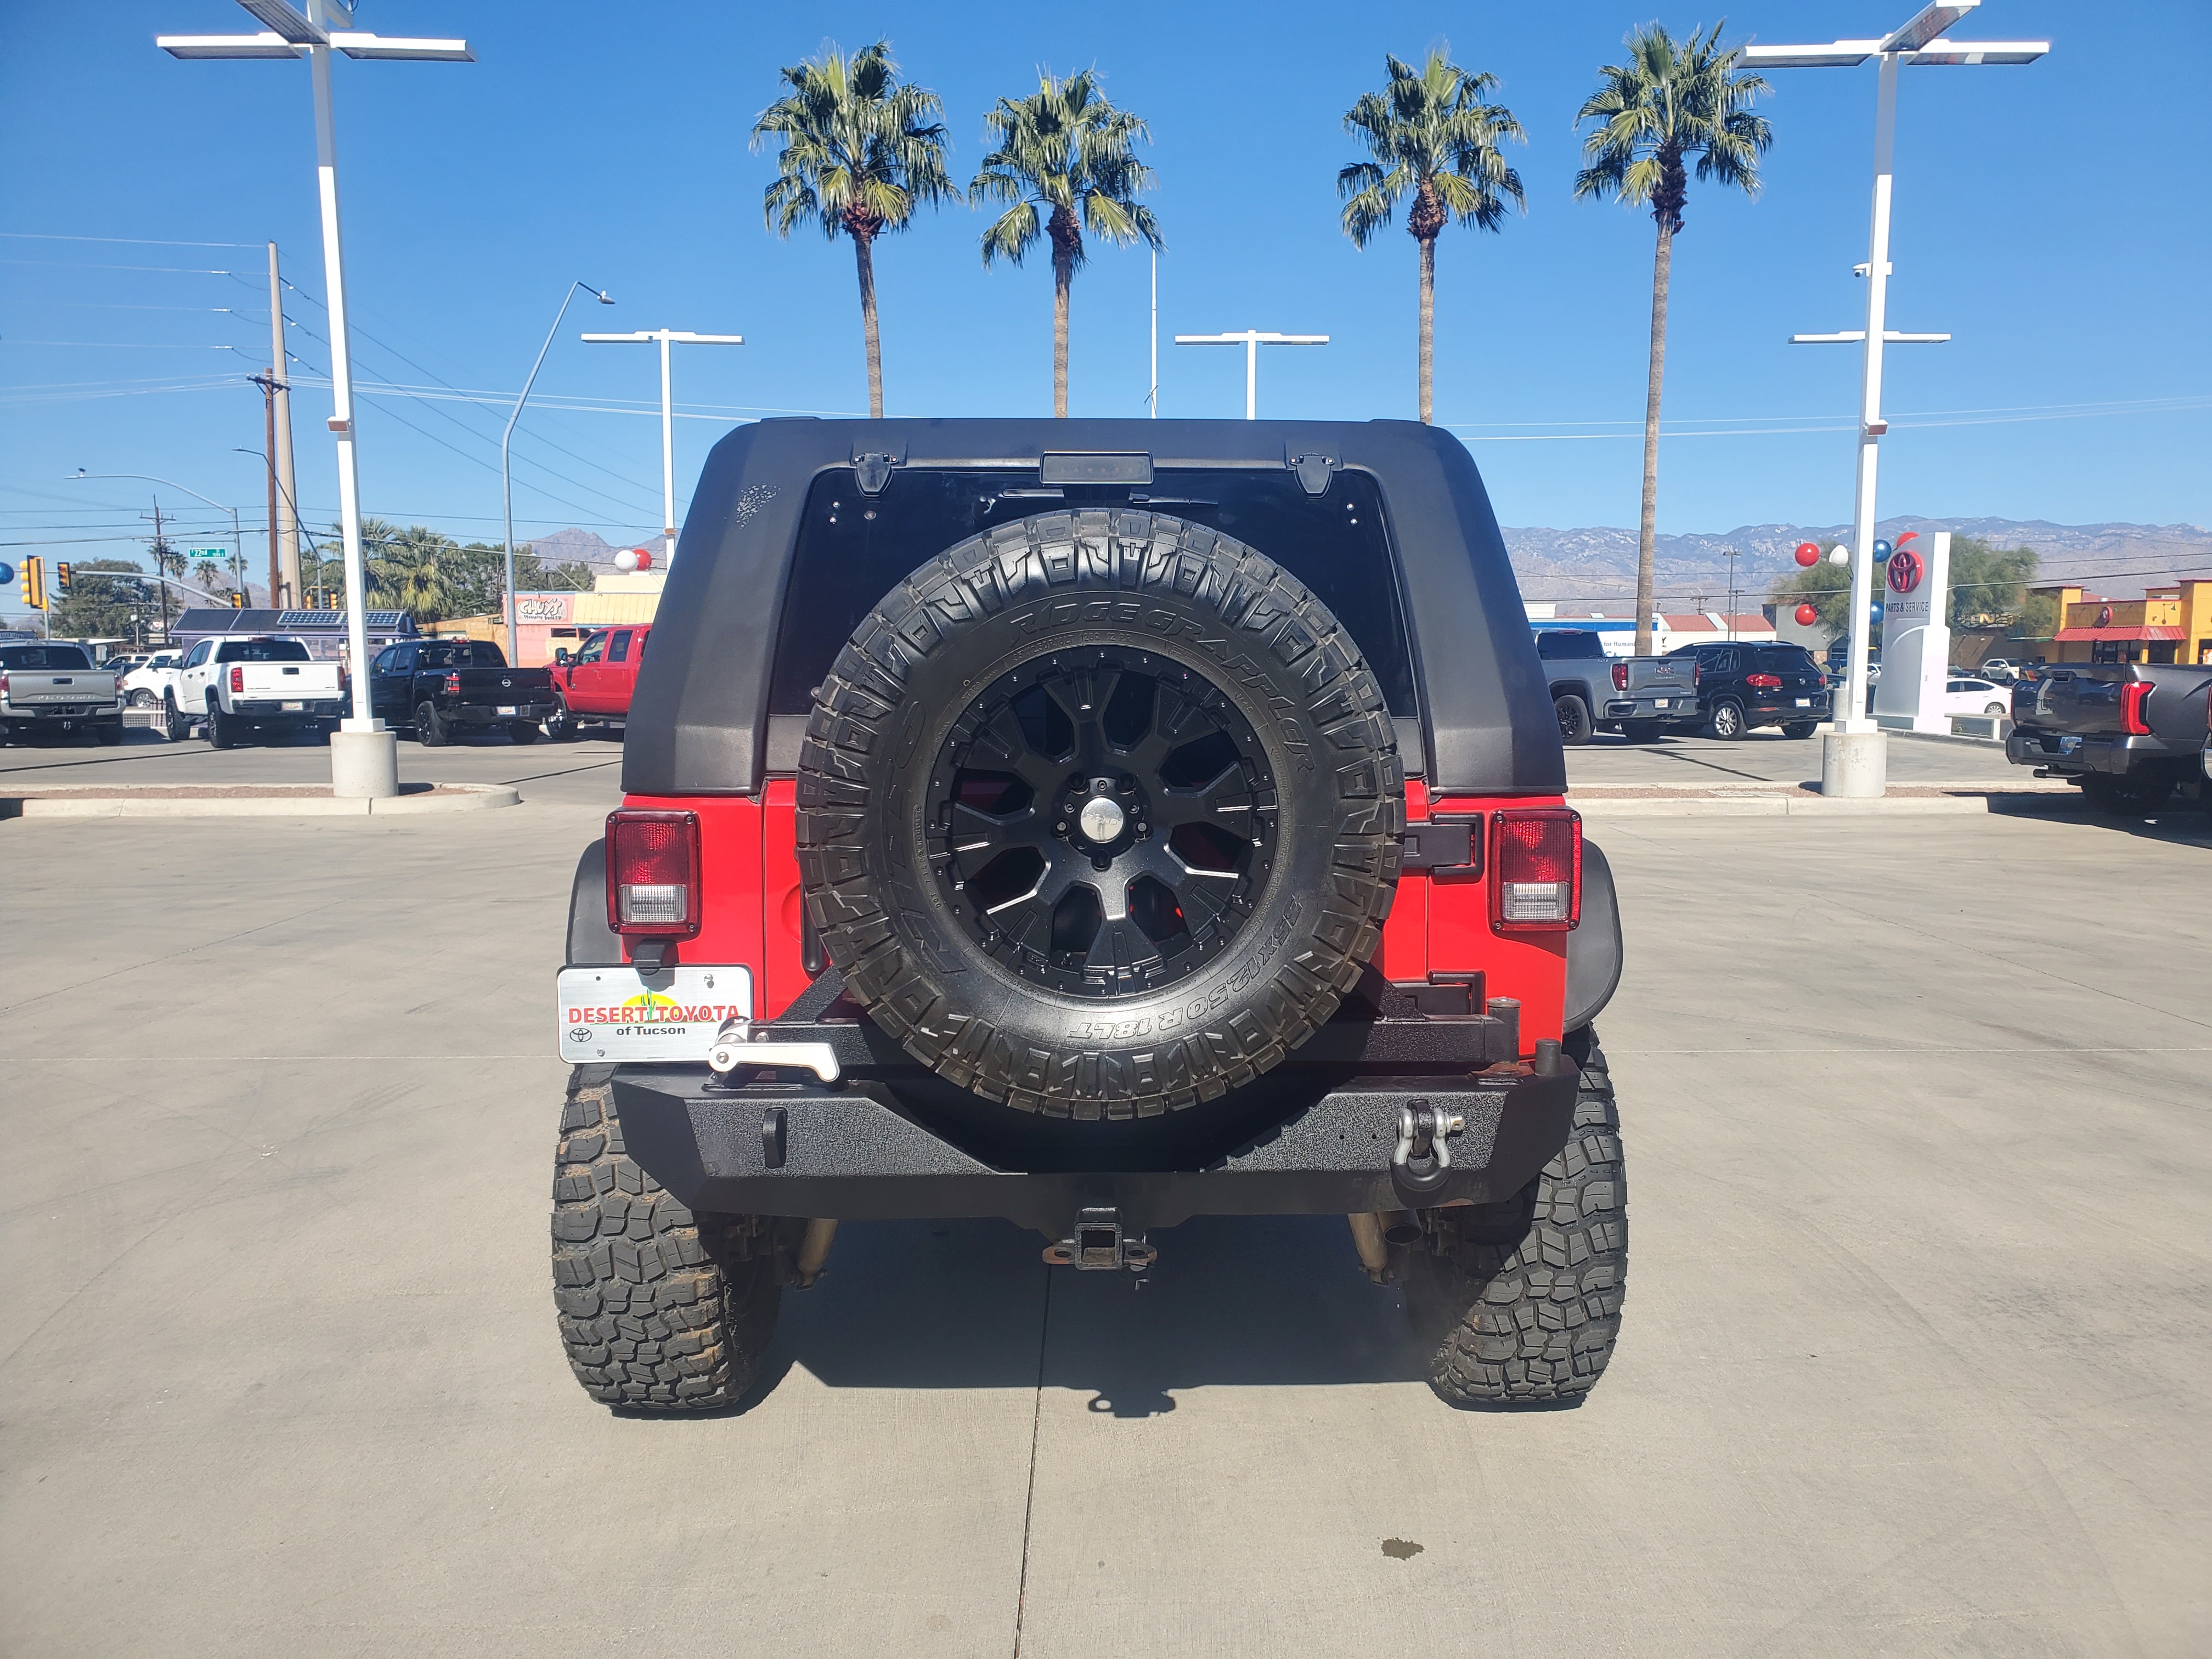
206 573
1429 132
861 151
1067 150
1666 104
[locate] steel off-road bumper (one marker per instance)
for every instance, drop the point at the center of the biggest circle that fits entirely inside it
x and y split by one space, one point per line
857 1151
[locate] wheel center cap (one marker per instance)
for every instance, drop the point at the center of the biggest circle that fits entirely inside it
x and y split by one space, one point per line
1101 819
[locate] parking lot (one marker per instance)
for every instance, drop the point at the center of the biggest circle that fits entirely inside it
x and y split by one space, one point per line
1913 1359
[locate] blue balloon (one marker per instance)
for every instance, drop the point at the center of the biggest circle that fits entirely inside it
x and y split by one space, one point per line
1881 552
1874 612
7 573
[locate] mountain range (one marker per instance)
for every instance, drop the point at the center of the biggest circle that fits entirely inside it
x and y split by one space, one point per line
1600 562
2118 559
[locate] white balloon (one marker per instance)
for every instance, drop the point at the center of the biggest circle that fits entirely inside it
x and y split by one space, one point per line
1840 554
626 561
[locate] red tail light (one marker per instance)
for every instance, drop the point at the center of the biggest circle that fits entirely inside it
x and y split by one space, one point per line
1536 869
653 874
1764 682
237 679
2132 699
452 685
1697 673
1621 677
4 685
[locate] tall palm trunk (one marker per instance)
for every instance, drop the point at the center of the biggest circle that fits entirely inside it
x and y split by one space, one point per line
1063 276
864 256
1428 327
1647 533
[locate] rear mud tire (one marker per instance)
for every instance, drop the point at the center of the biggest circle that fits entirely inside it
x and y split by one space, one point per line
222 730
1518 1303
660 1311
561 725
431 730
1201 605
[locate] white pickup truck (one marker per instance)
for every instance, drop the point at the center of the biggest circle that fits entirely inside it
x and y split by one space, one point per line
239 687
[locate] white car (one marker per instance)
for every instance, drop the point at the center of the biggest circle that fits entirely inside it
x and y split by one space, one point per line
143 683
1965 695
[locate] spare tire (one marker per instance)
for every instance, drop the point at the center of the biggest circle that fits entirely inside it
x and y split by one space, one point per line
1099 814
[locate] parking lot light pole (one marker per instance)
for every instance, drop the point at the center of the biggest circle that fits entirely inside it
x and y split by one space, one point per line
1853 761
667 414
364 755
506 437
1251 339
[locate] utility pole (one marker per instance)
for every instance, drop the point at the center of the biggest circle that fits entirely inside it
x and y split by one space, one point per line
280 453
1153 396
1252 339
1731 555
161 567
667 417
279 587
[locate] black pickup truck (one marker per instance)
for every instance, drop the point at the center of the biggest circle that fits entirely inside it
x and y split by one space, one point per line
445 687
2130 734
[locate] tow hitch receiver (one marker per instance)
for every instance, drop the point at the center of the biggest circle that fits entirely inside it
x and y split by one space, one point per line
1100 1246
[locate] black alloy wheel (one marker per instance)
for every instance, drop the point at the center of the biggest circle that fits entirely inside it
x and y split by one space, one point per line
431 730
1104 820
1575 727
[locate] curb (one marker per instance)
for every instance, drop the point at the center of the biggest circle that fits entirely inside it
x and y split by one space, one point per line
1813 806
448 798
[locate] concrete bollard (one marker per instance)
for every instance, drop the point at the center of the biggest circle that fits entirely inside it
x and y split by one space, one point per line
364 763
1855 763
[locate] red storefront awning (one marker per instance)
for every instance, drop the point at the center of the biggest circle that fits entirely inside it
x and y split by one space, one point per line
2096 635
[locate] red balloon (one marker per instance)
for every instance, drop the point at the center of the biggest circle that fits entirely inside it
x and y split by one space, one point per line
644 559
1808 553
1806 616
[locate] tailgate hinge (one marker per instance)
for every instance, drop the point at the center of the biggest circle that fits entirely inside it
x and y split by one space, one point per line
1443 846
872 468
1312 468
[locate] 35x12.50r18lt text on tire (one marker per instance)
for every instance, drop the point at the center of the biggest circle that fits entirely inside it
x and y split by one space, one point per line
1099 814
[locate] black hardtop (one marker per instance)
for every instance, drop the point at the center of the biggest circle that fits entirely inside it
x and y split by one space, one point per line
699 723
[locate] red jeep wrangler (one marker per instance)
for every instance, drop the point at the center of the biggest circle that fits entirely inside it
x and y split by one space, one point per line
1092 824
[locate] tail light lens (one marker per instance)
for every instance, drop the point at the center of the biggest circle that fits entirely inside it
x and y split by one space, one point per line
1697 673
1536 869
452 685
1764 682
4 685
1621 677
237 678
2132 699
653 874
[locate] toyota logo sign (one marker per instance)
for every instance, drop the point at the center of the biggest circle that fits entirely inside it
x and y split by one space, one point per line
1905 571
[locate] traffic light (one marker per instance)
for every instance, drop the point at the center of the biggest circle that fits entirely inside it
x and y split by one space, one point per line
238 602
62 578
34 582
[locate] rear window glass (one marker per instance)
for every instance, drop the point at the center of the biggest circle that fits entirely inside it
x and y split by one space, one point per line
1557 643
851 549
261 650
28 657
462 653
1787 660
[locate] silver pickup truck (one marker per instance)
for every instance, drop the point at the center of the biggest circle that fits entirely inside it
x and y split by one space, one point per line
1651 694
2128 734
52 688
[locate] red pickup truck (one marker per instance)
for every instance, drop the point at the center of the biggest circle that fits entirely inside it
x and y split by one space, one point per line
595 682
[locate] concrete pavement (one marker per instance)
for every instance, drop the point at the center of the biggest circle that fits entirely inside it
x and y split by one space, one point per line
1913 1358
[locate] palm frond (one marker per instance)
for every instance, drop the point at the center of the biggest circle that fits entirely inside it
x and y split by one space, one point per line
856 139
1430 131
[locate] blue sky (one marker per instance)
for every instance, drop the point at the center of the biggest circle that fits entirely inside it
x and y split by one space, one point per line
2047 216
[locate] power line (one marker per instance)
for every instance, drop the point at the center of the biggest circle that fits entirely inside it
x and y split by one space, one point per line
139 241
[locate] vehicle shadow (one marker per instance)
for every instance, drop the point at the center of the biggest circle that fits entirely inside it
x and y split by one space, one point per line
2178 822
970 1304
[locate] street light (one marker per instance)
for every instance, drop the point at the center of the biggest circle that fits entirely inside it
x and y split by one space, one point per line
506 478
1853 761
364 755
1251 339
237 540
667 414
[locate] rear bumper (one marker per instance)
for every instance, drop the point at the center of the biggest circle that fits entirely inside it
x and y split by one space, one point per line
474 713
272 709
861 1151
2110 755
1645 708
61 714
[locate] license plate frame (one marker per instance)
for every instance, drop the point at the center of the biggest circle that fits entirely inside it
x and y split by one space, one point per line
509 708
291 708
1804 702
590 1005
1658 702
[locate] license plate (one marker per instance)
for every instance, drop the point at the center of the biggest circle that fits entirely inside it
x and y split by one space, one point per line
618 1013
505 708
1658 702
291 708
1804 702
2067 745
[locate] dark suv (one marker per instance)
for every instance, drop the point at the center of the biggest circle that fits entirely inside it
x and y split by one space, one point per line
1094 824
1742 685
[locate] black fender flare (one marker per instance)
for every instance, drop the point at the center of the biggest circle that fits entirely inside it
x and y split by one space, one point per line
591 943
1593 948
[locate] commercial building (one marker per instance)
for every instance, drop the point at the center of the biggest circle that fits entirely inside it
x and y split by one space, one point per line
2169 624
323 632
1669 630
546 621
